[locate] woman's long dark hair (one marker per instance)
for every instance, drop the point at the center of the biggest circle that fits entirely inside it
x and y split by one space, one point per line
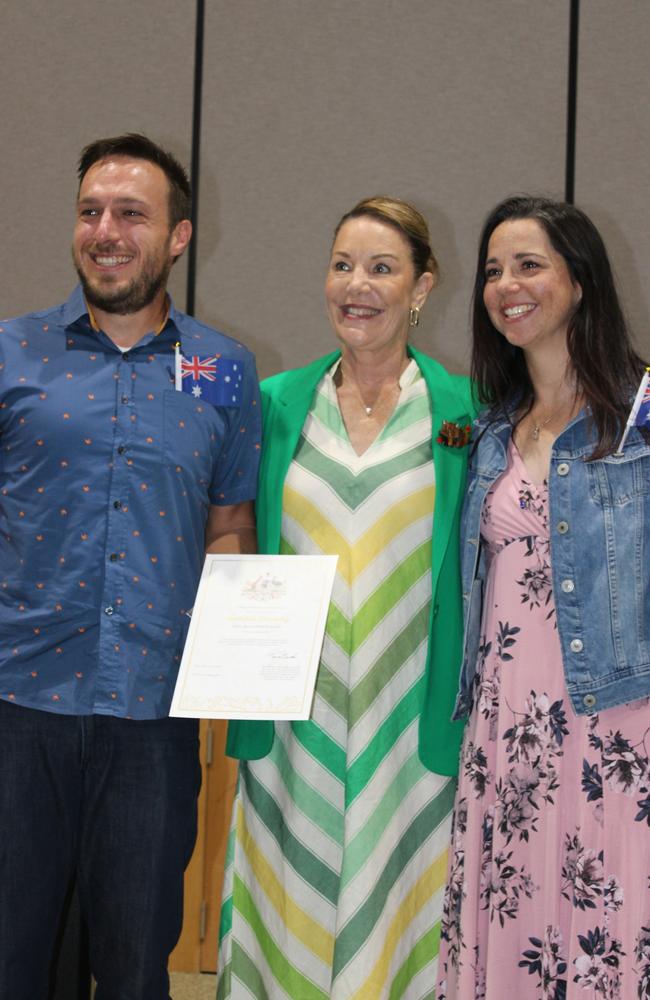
606 367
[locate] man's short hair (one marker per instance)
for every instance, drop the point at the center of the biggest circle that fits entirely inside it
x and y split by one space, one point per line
141 148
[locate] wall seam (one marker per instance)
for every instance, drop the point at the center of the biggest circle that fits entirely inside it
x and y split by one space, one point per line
572 103
195 168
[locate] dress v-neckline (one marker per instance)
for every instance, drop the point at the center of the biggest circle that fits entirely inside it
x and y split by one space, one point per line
409 377
523 470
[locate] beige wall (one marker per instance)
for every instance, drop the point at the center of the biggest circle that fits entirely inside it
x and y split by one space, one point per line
309 106
613 144
72 71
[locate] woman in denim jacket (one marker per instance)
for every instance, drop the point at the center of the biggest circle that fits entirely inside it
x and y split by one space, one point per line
549 882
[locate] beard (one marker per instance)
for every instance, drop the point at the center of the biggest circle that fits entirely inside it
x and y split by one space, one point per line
124 300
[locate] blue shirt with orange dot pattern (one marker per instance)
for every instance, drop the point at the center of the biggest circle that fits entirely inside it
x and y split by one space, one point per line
107 474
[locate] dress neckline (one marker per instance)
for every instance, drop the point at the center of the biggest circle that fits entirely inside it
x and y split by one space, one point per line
522 468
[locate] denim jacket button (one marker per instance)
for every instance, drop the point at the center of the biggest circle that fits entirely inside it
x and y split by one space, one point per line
563 469
576 645
589 700
562 527
568 586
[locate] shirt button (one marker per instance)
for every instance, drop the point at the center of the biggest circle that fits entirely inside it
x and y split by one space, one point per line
589 700
563 469
117 504
109 610
125 399
126 356
568 586
562 527
576 645
121 449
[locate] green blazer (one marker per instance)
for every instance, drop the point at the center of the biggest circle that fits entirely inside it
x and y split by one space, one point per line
286 399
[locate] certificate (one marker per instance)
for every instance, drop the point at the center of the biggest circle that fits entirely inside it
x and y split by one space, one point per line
255 637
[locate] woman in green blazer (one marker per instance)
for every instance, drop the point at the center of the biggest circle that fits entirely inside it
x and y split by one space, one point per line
341 823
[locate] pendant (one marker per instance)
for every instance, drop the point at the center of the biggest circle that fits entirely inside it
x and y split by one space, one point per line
535 432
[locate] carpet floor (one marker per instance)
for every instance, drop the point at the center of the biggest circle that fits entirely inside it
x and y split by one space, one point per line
192 986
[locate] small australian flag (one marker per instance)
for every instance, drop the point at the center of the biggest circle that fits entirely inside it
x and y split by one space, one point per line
643 414
212 379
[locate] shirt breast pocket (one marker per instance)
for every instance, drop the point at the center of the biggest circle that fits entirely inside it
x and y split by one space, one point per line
193 433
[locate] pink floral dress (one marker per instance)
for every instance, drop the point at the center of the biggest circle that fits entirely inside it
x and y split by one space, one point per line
549 881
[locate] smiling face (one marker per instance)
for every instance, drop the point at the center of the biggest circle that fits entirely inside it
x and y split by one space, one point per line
371 287
123 247
529 294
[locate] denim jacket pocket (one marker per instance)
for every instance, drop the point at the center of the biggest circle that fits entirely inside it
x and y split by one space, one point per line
616 482
621 489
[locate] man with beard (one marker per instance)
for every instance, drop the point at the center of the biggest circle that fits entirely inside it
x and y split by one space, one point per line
113 485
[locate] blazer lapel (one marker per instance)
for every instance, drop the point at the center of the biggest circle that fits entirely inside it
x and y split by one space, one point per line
285 410
450 464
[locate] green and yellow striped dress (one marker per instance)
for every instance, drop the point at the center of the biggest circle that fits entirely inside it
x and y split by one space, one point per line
337 859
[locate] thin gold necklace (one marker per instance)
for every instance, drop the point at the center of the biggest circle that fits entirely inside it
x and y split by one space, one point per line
357 392
537 428
369 409
539 425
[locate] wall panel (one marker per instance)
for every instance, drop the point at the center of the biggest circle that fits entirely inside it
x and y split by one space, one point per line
613 143
310 106
72 72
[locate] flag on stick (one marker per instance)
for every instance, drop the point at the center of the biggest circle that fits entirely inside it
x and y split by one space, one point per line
640 412
210 378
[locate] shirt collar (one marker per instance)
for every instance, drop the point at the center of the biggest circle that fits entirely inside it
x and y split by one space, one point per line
410 374
75 308
77 313
95 326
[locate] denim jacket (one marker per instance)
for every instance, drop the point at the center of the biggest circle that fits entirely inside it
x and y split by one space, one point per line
599 524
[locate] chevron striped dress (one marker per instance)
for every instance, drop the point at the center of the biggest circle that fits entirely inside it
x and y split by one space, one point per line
337 857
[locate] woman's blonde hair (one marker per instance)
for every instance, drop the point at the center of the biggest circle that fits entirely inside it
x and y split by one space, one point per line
406 219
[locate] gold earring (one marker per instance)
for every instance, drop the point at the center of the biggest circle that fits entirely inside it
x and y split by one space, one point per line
414 316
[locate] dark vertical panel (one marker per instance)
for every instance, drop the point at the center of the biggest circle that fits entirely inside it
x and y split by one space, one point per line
572 101
196 153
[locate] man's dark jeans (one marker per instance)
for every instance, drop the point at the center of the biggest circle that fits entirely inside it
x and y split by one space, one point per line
114 802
